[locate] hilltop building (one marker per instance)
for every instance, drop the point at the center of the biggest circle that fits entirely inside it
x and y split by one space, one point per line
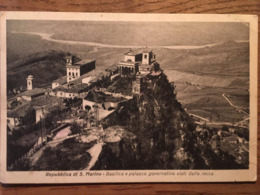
134 62
77 67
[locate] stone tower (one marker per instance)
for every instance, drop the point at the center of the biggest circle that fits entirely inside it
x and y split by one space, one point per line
69 59
30 79
137 84
146 57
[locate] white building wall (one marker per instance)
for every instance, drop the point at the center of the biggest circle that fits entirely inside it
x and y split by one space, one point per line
28 98
71 95
129 58
40 114
54 85
146 58
60 94
72 73
86 80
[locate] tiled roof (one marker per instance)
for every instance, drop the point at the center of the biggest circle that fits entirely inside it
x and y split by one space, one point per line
83 62
61 80
33 92
96 96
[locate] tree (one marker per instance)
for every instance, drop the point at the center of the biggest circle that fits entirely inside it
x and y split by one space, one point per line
75 128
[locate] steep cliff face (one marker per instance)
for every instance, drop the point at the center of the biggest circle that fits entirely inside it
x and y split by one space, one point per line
163 130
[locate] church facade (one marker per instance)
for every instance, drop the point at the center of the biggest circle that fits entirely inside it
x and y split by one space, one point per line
134 62
141 65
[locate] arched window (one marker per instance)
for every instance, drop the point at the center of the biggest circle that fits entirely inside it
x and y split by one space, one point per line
145 56
69 73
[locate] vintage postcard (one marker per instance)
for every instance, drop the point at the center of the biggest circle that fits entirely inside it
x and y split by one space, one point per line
106 98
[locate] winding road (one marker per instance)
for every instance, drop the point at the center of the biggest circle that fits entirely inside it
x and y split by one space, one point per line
231 104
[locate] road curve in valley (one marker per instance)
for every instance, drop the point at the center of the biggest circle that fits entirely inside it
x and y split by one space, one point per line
231 104
48 37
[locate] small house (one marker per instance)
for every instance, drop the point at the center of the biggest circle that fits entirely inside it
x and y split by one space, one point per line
58 82
31 94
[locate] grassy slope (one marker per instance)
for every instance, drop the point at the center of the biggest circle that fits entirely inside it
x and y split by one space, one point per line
44 66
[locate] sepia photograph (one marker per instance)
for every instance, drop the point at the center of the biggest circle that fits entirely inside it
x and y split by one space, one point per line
102 97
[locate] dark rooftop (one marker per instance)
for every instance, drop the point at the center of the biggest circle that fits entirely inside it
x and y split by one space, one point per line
72 89
81 63
138 51
61 80
33 92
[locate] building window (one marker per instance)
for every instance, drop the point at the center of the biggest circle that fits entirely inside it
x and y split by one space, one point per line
76 74
60 93
73 74
145 56
69 73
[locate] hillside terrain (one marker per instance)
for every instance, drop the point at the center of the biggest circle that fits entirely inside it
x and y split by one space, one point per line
45 66
166 136
201 75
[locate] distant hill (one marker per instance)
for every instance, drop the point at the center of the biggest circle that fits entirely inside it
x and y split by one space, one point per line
136 33
44 66
226 64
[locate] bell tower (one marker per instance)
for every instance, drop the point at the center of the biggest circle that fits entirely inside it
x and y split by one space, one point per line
69 59
146 58
30 79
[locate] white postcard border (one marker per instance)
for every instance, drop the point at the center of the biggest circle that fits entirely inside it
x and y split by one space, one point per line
124 176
